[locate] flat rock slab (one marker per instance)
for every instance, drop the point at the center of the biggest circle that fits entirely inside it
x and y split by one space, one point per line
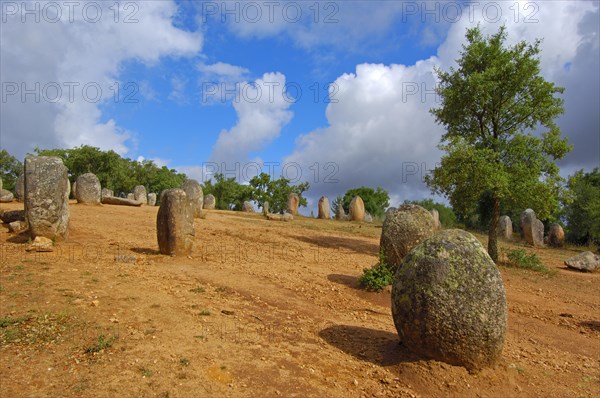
115 200
586 261
12 216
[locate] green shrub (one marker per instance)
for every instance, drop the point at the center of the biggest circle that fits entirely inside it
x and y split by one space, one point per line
520 259
378 276
101 344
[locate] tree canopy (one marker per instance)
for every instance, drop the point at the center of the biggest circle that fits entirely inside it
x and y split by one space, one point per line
582 207
276 192
10 169
375 200
501 139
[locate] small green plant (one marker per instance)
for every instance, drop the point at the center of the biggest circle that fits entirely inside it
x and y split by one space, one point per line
146 372
101 343
378 276
204 313
520 259
198 289
184 362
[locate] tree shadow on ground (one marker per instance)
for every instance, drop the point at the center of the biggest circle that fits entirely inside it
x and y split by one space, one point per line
346 280
376 346
337 243
145 250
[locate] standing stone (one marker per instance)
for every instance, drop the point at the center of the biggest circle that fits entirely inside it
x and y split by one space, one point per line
533 229
436 218
324 209
88 189
357 209
6 196
368 217
20 188
449 302
46 197
151 199
140 195
131 196
73 189
292 203
524 215
107 193
209 202
340 214
389 211
175 223
194 193
504 228
556 235
402 230
265 209
1 184
247 207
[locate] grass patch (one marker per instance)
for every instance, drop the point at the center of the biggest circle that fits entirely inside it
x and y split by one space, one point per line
33 329
204 313
146 372
9 320
518 258
184 362
102 343
198 289
378 276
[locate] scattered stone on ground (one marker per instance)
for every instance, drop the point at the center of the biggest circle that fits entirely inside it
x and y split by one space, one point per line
586 261
115 200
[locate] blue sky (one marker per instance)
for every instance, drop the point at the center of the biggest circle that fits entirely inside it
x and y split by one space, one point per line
171 58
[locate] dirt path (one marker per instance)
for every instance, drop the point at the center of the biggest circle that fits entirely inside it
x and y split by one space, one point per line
261 308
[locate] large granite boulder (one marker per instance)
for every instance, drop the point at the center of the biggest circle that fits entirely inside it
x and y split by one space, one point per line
175 223
449 302
402 230
6 196
586 261
89 191
106 193
117 200
533 229
46 197
151 199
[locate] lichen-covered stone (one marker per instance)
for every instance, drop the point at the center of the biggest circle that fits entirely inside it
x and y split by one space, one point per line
533 229
209 202
151 199
449 302
89 191
175 223
292 203
324 208
195 195
340 214
140 194
6 196
556 235
46 197
116 200
436 218
107 193
356 210
402 230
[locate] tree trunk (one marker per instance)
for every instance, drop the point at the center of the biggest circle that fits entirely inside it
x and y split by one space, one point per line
492 234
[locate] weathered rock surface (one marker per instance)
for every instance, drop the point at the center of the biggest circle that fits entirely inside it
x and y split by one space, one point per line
533 229
292 203
324 208
449 302
402 230
8 216
106 193
6 196
436 218
265 209
115 200
17 227
340 214
247 207
89 191
175 223
556 235
151 199
209 202
140 194
20 188
46 197
504 228
194 193
356 210
586 261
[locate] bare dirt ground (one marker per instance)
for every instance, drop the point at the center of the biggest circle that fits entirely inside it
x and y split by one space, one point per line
261 309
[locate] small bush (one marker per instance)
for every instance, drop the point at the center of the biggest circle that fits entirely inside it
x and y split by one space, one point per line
520 259
378 276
